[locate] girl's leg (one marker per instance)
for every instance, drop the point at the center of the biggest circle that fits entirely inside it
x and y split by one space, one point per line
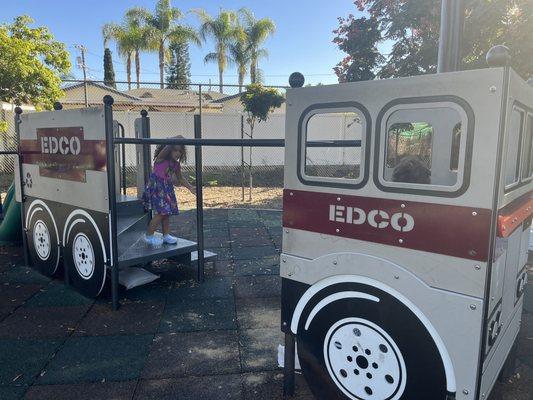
154 223
166 224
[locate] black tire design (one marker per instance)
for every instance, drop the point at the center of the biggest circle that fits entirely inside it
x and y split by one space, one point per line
84 257
360 349
42 239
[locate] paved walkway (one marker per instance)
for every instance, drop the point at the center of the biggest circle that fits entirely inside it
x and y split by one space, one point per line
172 339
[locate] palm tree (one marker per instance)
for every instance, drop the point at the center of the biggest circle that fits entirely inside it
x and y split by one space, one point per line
257 31
125 44
240 55
224 30
163 29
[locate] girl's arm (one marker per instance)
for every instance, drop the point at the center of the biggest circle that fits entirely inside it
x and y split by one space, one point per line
183 181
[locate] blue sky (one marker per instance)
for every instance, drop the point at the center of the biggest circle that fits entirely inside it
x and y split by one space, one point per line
303 40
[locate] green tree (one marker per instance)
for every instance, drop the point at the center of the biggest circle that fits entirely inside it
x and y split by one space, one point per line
257 31
163 29
259 101
240 54
125 44
31 64
224 30
412 28
178 68
109 71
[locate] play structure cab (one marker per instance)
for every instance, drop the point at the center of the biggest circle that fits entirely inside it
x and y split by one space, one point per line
403 267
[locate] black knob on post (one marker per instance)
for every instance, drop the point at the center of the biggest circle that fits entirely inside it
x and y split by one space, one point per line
499 56
18 110
108 100
144 113
296 80
58 106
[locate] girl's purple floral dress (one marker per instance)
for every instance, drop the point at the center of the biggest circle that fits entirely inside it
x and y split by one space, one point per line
159 193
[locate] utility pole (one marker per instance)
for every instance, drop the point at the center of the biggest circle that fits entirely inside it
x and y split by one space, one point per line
83 66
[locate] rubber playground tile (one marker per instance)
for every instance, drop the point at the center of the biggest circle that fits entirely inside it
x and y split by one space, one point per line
220 387
12 393
245 223
239 214
41 322
154 291
247 231
223 253
214 288
528 298
258 313
219 268
246 253
84 391
20 274
57 294
199 315
269 386
217 241
193 353
259 348
278 242
22 360
251 241
257 286
129 319
97 358
13 295
216 231
268 265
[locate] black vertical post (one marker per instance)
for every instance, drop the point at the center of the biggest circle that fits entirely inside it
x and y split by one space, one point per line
199 197
111 189
451 35
242 159
145 132
123 159
288 365
18 121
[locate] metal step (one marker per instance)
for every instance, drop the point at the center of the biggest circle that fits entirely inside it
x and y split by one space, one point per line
129 205
137 252
128 222
207 255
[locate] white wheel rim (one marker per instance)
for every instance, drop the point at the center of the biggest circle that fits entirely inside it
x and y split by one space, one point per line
364 361
83 255
41 240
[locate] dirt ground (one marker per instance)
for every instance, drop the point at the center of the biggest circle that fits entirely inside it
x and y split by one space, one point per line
228 197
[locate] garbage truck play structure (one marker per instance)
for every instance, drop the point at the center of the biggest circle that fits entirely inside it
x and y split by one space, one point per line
403 270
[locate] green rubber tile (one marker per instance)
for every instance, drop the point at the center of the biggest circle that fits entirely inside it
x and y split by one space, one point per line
221 387
12 393
19 274
193 354
98 358
258 313
219 268
269 386
41 322
528 298
154 291
57 294
223 253
217 231
22 360
236 232
84 391
129 319
278 242
268 265
251 241
259 348
217 242
257 286
214 288
13 295
198 315
241 214
247 253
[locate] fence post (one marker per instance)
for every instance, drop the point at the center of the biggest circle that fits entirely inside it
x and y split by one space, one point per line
18 121
112 197
199 197
242 159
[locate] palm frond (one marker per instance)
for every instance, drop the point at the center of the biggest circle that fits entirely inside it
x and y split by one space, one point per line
211 57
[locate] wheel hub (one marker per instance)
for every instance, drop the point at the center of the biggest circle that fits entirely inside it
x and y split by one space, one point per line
41 240
83 255
364 361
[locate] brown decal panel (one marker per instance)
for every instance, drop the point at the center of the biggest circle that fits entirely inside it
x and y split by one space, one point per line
451 230
63 153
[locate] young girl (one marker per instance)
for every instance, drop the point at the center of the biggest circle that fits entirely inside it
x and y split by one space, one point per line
159 194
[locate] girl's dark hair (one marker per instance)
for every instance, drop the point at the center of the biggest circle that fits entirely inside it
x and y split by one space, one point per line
168 150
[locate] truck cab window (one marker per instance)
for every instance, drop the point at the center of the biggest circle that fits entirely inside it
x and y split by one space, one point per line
512 149
332 151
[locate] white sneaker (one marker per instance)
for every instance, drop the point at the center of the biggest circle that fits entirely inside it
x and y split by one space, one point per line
169 239
153 240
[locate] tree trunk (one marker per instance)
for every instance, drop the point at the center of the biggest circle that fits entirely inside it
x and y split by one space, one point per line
138 68
241 80
221 79
162 64
128 70
253 71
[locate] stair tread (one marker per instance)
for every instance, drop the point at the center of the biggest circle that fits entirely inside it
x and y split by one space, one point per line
207 255
124 222
140 252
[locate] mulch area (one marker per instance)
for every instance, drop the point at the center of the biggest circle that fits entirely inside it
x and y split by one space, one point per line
174 338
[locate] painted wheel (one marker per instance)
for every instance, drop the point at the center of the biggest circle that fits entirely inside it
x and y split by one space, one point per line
43 240
368 346
84 255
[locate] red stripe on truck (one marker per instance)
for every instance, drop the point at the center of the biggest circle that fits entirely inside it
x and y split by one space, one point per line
435 228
